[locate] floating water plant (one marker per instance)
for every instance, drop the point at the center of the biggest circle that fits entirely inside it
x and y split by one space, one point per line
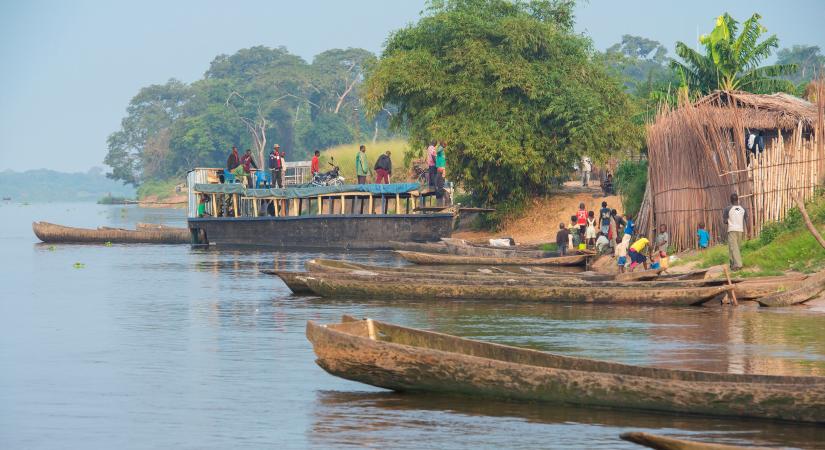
79 265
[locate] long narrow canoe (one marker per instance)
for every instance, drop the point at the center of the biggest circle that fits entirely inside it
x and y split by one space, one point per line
808 289
640 275
291 280
460 248
431 259
426 247
666 443
351 287
406 359
52 233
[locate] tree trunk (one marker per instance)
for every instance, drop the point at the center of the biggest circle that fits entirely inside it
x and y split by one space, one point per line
808 222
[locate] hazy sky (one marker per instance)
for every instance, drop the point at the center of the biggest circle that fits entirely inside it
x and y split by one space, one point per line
70 68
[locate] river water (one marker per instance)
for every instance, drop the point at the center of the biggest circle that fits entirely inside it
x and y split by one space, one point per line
144 346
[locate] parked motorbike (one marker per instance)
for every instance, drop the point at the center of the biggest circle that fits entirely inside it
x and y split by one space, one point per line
328 178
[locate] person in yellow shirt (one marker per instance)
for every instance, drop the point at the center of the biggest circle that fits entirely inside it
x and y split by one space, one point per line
636 253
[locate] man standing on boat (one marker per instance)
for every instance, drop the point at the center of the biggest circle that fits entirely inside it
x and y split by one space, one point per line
315 167
362 166
383 169
431 170
233 161
275 166
735 216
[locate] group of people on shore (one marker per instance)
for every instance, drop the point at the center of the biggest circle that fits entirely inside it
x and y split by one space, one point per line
611 232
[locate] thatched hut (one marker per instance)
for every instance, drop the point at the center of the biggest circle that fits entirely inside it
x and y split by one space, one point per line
766 148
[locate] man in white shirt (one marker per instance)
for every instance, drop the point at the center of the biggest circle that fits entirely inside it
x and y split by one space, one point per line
587 166
735 216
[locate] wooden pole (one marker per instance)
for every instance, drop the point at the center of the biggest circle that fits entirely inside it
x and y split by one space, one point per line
808 222
730 283
276 203
255 207
235 203
320 205
214 206
398 203
343 204
371 205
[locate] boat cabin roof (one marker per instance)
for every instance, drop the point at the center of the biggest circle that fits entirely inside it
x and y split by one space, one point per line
308 191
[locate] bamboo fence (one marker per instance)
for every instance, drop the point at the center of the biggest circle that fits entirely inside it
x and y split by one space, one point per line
697 158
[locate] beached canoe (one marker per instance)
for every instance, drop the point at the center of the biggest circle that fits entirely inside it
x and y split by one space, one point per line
330 265
808 289
291 280
425 247
667 443
406 359
460 248
432 259
344 286
52 233
639 276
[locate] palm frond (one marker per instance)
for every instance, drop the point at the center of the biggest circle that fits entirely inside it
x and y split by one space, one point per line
760 52
751 31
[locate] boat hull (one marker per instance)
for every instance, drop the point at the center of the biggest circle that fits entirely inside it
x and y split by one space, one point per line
367 232
59 234
438 259
404 359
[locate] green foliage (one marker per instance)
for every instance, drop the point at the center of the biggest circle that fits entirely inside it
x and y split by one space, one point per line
160 188
49 185
515 93
630 182
732 59
344 158
808 58
253 99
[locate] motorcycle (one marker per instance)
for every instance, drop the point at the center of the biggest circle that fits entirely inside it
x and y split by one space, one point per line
328 178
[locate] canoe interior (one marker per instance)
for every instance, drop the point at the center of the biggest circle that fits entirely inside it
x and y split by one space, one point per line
395 334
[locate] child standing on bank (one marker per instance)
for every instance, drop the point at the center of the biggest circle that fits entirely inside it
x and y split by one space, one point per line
562 239
704 237
620 252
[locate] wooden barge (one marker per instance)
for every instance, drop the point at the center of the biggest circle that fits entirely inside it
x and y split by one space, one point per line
406 359
366 216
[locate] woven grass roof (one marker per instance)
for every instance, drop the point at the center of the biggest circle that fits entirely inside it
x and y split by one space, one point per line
757 110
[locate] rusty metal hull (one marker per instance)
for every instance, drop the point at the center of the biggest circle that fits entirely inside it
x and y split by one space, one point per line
406 359
412 289
360 231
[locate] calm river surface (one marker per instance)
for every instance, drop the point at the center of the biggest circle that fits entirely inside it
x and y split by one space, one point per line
169 346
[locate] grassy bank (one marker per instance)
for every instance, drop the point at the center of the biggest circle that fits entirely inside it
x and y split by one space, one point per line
162 189
345 157
781 247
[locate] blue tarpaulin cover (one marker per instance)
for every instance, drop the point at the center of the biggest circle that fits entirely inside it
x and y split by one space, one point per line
306 191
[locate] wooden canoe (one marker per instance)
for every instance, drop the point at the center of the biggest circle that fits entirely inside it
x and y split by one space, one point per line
424 247
431 259
52 233
810 288
352 287
639 276
406 359
291 280
666 443
461 248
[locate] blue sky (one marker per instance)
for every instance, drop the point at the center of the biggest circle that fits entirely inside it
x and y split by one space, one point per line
71 67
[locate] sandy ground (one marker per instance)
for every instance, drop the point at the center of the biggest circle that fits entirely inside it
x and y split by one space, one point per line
541 220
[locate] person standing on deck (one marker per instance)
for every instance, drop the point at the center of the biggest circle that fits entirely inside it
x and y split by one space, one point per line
245 169
315 167
587 166
383 169
276 165
431 170
735 216
233 161
283 168
362 167
272 165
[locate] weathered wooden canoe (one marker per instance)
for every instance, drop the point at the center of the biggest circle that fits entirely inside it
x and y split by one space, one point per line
810 288
52 233
639 276
407 359
667 443
425 247
291 280
431 259
461 248
352 287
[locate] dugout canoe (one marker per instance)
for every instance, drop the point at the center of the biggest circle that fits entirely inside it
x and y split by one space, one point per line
53 233
667 443
330 265
431 259
641 275
460 248
291 280
424 247
407 359
810 288
351 287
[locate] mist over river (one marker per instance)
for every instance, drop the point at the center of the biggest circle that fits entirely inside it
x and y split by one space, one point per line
161 346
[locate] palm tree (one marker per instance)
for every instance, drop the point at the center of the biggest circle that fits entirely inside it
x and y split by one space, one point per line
731 60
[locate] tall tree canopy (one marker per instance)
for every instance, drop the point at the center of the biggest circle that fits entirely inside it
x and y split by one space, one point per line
254 98
808 58
733 58
514 92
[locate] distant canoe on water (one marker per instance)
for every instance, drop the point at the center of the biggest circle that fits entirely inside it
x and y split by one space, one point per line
58 234
427 258
407 359
667 443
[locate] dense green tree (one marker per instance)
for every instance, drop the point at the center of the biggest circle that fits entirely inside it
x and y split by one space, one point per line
733 58
512 89
808 58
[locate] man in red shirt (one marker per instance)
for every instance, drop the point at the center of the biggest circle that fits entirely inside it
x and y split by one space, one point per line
314 168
